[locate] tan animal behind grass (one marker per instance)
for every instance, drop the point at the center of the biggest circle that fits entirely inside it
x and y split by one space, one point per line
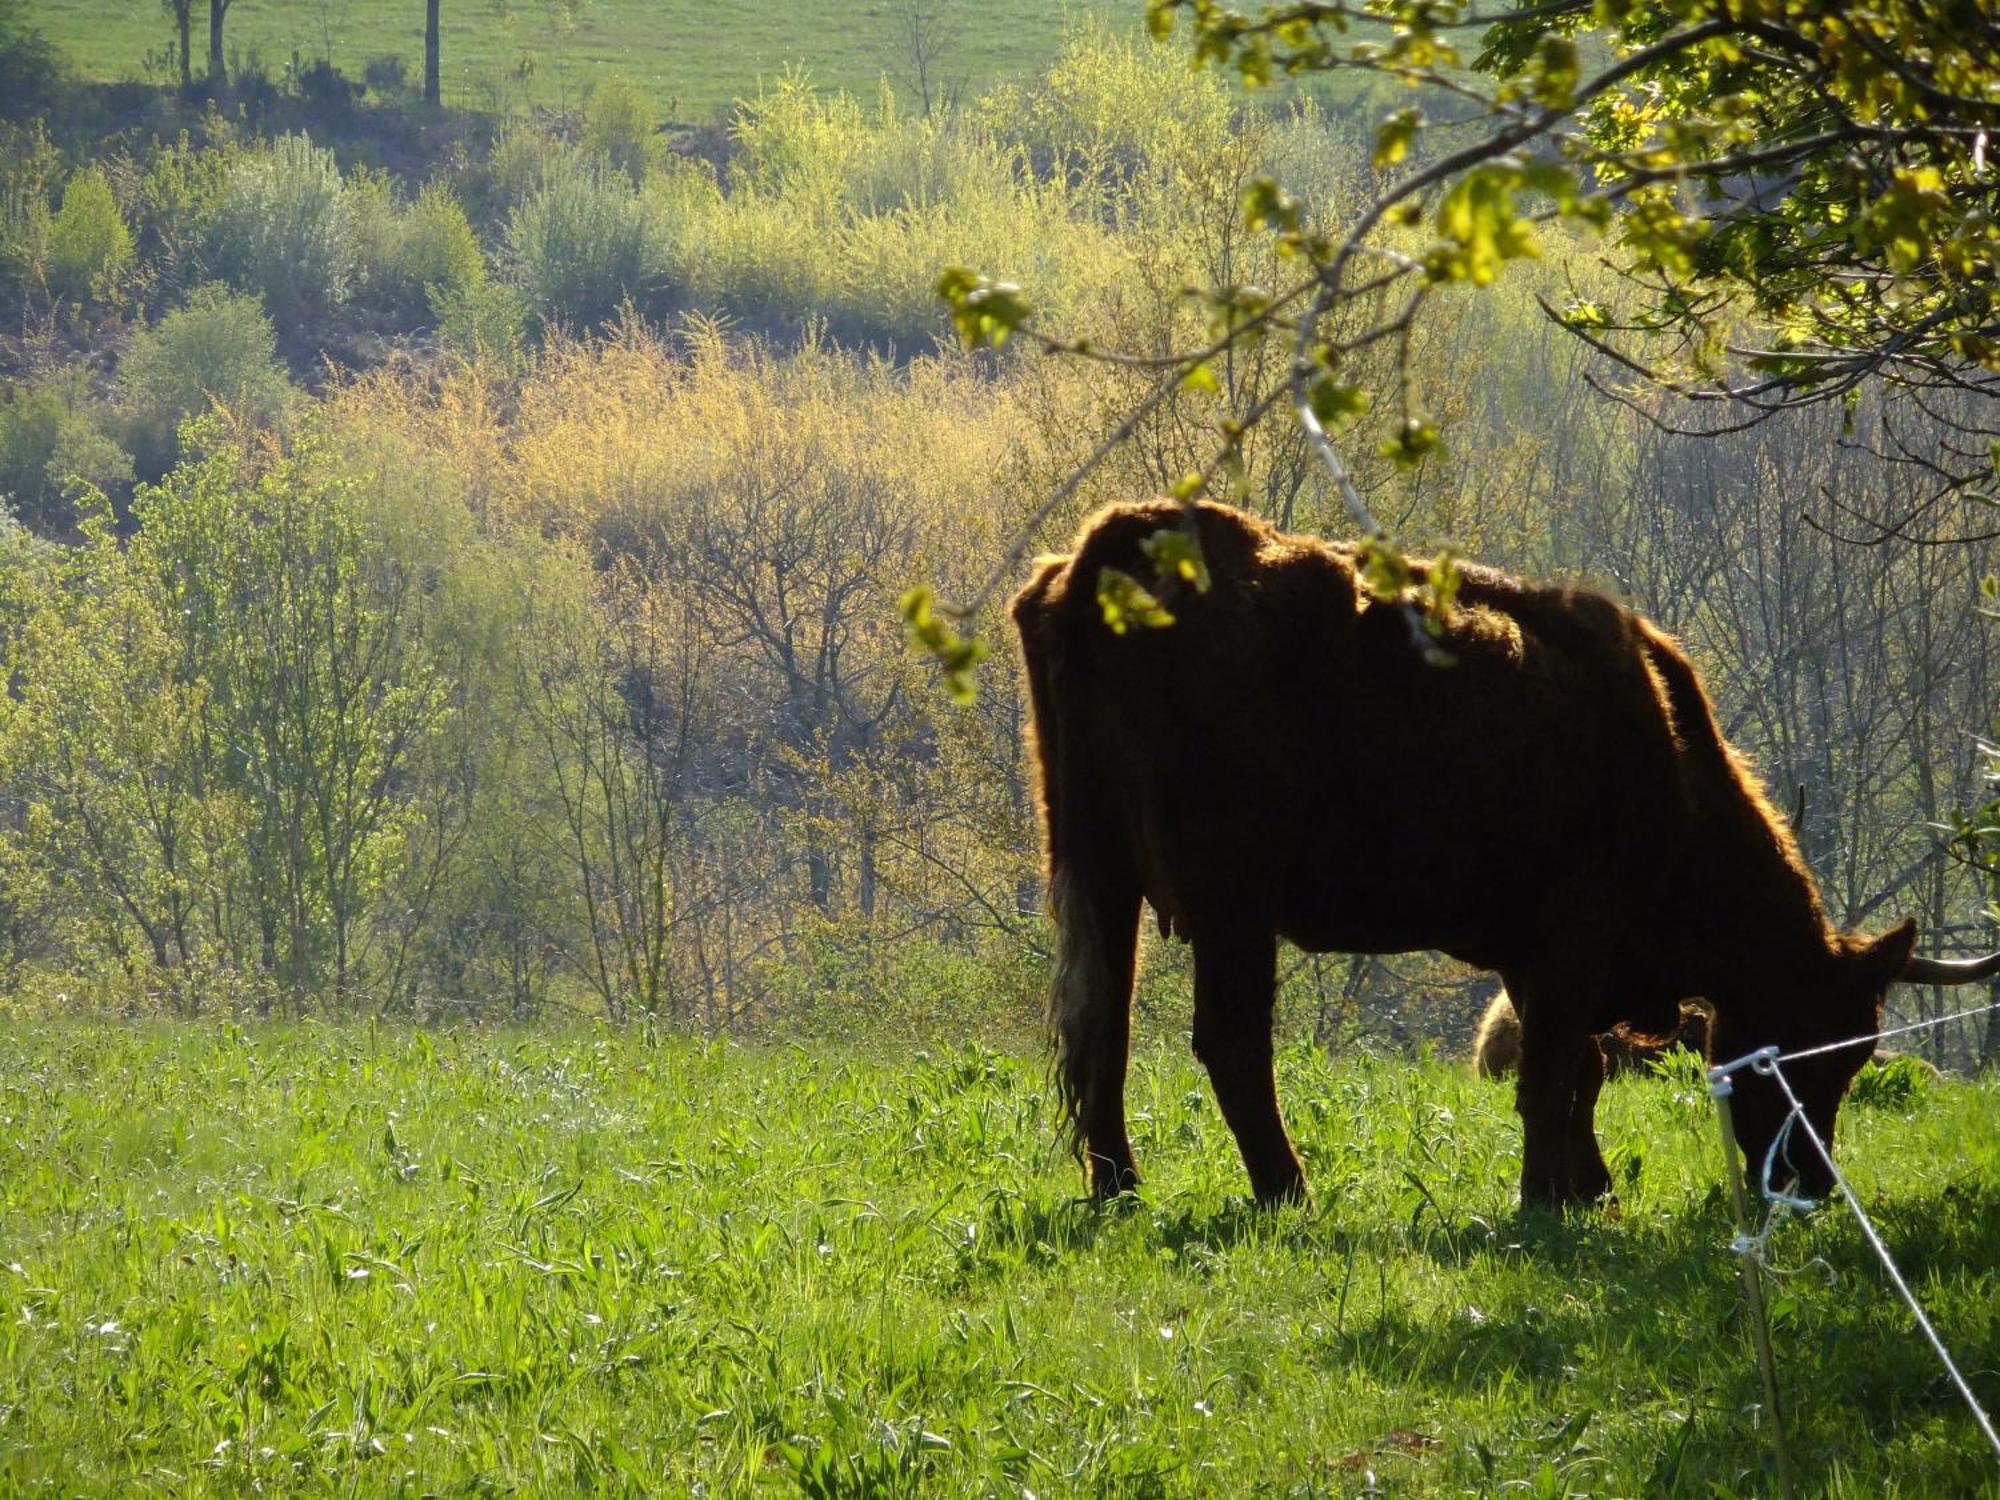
1496 1047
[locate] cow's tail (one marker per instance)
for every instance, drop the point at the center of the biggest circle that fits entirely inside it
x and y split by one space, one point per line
1092 896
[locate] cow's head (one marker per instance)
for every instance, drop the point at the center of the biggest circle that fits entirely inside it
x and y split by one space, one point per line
1842 999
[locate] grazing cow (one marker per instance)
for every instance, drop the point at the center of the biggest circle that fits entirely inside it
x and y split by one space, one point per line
1496 1047
1556 805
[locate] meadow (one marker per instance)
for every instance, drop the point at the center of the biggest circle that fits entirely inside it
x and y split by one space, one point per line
672 49
368 1260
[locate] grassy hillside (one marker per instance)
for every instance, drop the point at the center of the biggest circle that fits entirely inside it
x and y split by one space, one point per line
343 1260
694 57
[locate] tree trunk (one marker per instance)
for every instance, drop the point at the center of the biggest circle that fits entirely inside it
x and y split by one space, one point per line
217 75
432 96
184 18
866 885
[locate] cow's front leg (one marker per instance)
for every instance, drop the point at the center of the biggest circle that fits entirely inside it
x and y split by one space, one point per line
1235 983
1545 1092
1589 1178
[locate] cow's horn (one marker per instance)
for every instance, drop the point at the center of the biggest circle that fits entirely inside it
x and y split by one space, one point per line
1950 970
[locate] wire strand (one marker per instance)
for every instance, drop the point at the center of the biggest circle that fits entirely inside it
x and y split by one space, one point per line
1977 1010
1769 1066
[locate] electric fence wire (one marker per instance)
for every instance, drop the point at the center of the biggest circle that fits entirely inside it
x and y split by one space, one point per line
1768 1062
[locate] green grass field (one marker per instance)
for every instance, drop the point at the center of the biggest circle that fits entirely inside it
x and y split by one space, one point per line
694 57
349 1261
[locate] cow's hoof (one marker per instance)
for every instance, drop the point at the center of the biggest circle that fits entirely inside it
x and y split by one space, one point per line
1109 1183
1281 1194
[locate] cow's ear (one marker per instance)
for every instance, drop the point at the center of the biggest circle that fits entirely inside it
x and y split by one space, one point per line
1884 958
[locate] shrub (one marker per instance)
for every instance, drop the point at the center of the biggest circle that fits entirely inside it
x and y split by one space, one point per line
49 441
621 127
481 321
30 167
25 230
328 93
436 251
277 230
370 229
86 459
32 71
179 193
583 243
522 161
90 249
218 349
387 77
31 421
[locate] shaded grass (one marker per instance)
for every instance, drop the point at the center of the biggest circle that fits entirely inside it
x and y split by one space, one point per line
314 1259
676 50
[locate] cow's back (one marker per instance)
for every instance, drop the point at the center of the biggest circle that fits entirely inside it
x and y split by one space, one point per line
1283 754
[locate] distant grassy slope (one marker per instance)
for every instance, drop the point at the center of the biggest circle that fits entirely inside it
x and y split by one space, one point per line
328 1260
696 56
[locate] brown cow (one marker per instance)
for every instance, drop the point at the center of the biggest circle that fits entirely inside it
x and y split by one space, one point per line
1557 805
1496 1046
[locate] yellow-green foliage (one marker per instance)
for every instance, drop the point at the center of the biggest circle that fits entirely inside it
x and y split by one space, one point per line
90 247
219 349
437 246
621 124
830 213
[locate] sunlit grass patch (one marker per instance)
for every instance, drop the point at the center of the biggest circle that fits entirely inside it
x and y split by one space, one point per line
374 1260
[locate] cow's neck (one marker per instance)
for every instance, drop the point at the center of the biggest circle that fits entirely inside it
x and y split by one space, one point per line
1752 922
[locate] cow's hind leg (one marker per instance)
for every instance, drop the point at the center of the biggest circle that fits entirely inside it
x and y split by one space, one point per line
1235 980
1090 1010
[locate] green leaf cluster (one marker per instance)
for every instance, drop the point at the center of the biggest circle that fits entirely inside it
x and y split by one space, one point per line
985 312
1128 604
957 656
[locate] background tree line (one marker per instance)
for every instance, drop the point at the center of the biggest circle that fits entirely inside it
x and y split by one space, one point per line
474 592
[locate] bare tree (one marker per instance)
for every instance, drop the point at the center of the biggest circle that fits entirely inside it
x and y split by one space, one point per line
217 74
432 95
927 34
183 13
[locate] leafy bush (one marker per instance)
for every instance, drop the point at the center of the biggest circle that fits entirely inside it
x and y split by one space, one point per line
86 459
277 230
387 76
370 229
437 254
90 249
218 349
522 161
30 167
179 192
583 243
49 439
620 126
32 72
326 90
481 321
31 420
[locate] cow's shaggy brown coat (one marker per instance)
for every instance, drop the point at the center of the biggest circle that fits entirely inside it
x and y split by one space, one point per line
1558 806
